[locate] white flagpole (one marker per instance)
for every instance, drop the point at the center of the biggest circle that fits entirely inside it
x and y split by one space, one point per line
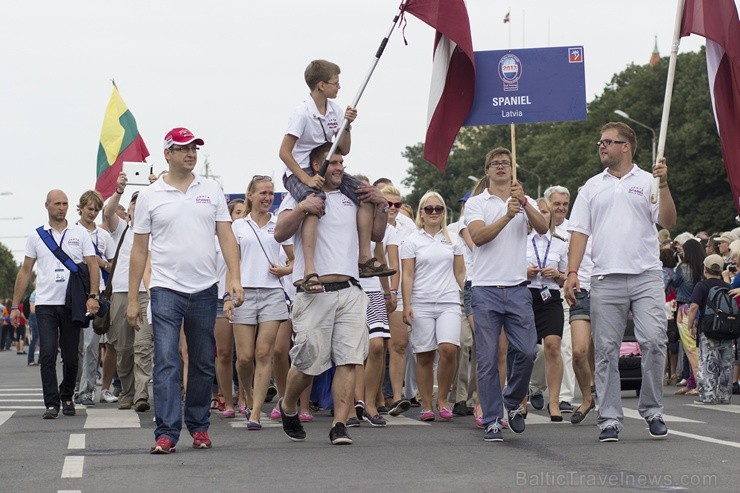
668 94
363 85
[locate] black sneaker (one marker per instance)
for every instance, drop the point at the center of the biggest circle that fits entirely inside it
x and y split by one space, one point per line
565 407
68 408
736 388
359 409
376 421
271 393
292 425
609 434
383 411
657 426
353 422
537 401
76 398
516 420
339 436
50 413
399 407
459 409
493 432
413 402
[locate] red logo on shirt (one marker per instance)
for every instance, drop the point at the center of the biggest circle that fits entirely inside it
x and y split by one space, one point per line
637 191
203 199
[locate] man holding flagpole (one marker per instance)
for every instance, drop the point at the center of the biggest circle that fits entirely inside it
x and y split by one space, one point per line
615 210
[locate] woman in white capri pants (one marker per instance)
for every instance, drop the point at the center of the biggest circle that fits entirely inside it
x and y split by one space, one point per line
433 276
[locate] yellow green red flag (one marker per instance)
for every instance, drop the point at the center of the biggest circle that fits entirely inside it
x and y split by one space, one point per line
119 141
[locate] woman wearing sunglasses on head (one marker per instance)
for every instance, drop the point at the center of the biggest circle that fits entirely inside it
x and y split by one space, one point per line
265 304
433 275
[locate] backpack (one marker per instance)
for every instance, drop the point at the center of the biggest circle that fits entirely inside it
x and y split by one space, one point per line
721 319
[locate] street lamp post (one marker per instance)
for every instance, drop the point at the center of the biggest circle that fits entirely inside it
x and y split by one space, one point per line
627 117
539 180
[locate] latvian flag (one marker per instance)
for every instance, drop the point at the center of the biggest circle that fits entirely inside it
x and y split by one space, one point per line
119 141
718 22
453 74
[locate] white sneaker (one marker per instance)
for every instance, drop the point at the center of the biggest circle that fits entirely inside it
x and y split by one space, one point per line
107 396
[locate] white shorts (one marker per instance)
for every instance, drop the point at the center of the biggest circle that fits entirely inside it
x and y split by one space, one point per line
329 327
261 305
435 323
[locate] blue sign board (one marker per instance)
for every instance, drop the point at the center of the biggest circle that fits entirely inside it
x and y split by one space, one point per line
528 86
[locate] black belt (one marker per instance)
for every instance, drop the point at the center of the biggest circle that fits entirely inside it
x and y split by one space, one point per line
335 286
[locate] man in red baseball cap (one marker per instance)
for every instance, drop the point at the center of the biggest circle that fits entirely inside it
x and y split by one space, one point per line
180 211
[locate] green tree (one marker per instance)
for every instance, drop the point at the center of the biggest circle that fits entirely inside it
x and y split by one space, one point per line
565 153
8 271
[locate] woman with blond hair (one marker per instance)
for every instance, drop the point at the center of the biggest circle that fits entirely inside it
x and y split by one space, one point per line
547 261
264 297
433 276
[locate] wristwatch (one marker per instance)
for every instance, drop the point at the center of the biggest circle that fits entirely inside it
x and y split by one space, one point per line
92 296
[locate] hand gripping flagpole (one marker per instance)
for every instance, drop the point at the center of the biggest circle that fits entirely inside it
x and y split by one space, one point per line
654 191
355 101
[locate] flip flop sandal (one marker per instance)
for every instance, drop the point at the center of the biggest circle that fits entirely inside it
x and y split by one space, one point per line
310 284
369 269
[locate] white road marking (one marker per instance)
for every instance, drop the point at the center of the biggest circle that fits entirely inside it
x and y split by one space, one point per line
6 394
111 418
702 438
727 408
21 400
73 466
22 407
5 415
76 441
69 491
19 389
632 413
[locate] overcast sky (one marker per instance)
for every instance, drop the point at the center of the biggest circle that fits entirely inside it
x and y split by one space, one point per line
233 71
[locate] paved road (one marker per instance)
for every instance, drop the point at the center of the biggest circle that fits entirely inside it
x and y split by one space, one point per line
104 449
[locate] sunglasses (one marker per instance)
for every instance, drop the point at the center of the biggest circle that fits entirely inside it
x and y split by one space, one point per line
397 205
437 209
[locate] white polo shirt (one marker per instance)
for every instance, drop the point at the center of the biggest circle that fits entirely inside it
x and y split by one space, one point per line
255 268
555 256
51 275
120 276
182 226
337 246
618 214
503 260
104 246
562 230
312 128
434 277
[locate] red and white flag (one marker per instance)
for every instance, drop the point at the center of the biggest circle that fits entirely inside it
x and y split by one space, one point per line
453 74
718 22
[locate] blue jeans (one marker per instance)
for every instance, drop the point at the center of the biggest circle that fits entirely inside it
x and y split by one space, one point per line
33 328
57 332
198 312
510 308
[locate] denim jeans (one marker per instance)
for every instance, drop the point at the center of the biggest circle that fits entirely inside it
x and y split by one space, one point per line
33 328
198 312
56 330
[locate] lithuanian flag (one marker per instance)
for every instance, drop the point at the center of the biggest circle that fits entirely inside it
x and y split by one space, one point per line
119 141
